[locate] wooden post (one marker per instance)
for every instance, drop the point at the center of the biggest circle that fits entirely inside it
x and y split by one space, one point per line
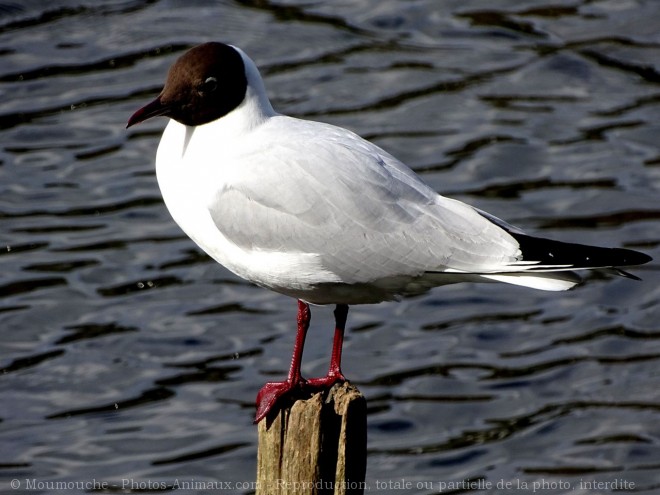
315 446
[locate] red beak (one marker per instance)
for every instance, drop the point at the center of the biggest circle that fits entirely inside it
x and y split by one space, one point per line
153 109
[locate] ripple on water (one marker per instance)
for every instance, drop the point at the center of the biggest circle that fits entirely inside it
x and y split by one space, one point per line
127 354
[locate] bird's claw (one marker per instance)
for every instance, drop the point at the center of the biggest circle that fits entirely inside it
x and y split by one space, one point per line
270 394
273 392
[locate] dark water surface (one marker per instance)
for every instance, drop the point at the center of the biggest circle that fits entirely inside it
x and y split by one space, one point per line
130 358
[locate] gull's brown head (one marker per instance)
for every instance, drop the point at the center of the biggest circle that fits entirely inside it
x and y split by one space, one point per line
204 84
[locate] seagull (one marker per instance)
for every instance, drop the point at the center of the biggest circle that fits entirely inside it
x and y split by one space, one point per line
317 213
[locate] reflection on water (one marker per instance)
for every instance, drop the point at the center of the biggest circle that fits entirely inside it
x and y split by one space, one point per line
128 355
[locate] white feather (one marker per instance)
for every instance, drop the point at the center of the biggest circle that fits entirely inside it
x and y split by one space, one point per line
316 212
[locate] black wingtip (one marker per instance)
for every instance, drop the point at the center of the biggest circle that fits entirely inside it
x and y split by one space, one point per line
550 252
642 258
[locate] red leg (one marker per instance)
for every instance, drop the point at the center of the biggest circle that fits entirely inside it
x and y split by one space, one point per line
272 391
334 372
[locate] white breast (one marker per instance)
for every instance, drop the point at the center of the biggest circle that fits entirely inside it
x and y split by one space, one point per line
194 169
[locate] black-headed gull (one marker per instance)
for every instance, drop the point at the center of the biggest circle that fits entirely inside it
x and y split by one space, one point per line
315 212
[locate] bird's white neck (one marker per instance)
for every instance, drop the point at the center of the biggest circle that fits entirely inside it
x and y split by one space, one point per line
255 108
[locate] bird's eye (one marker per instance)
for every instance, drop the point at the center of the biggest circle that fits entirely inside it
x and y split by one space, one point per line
209 85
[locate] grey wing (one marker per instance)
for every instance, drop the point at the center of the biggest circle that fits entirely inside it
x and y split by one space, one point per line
362 213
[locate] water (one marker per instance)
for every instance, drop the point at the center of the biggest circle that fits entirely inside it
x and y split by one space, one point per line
131 359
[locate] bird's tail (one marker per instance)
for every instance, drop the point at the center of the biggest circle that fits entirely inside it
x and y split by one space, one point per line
550 265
